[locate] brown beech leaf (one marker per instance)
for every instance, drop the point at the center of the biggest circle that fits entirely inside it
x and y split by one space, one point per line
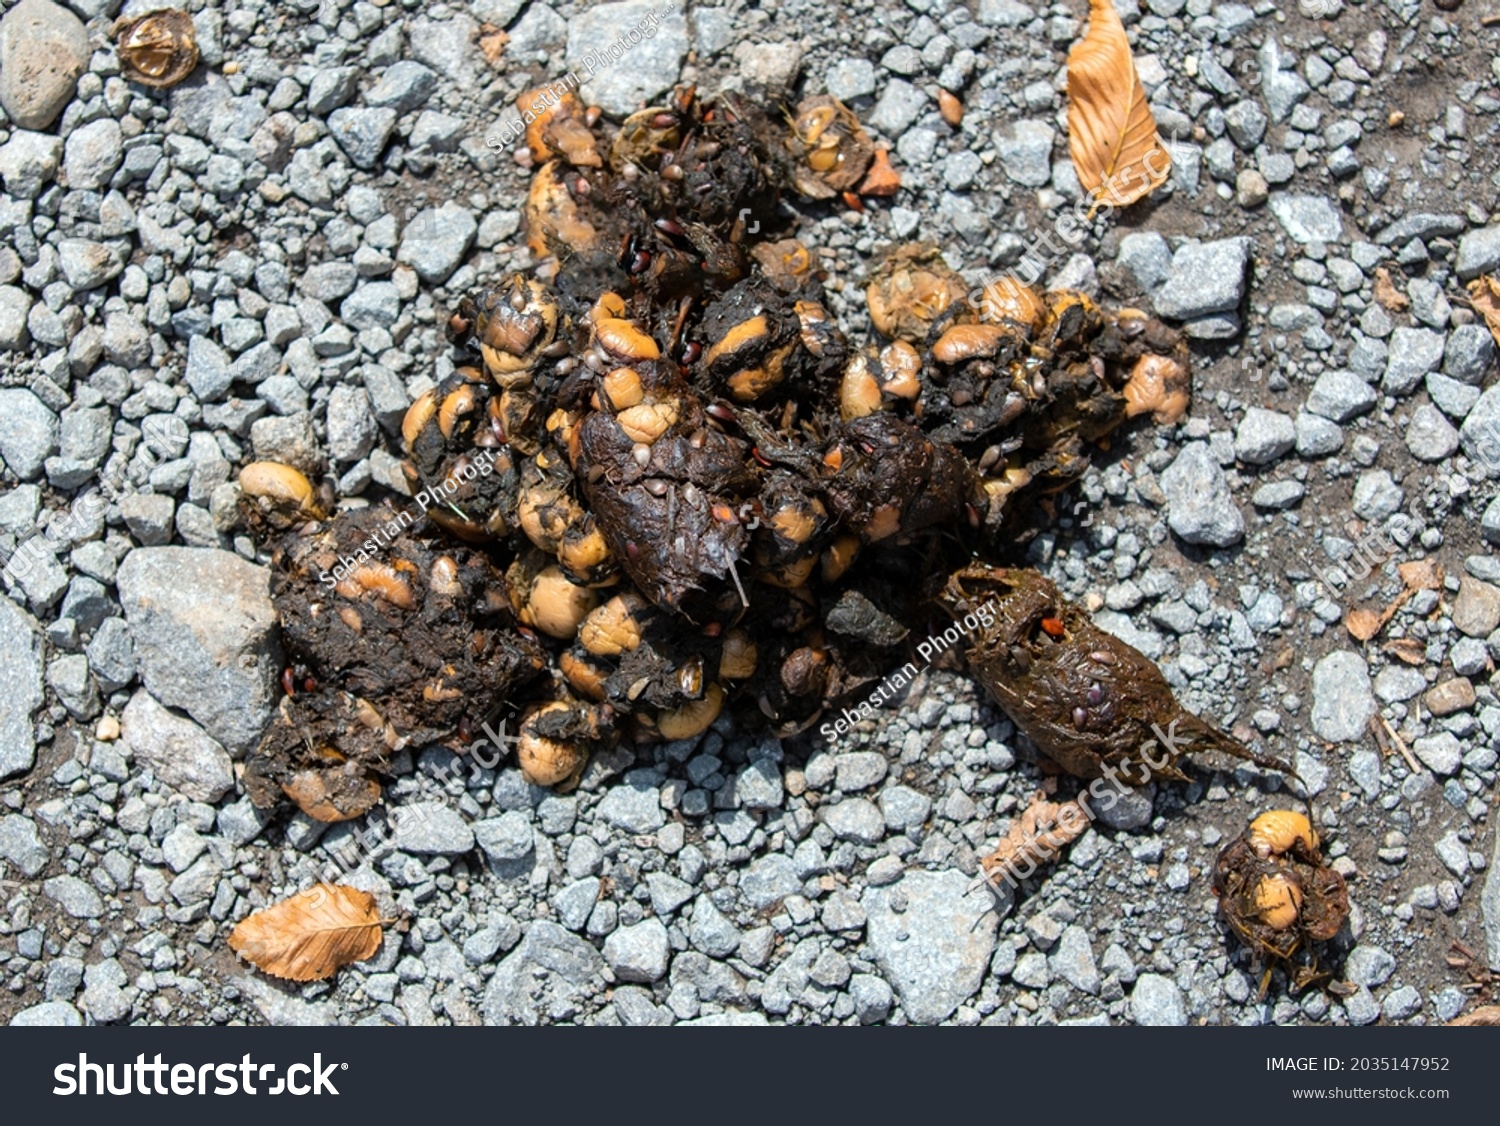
1362 624
1421 574
1112 136
1483 1017
310 935
492 41
1484 295
1391 299
882 179
1038 835
1407 650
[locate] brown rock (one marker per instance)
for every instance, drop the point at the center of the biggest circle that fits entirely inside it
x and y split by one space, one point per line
1477 609
1456 695
44 48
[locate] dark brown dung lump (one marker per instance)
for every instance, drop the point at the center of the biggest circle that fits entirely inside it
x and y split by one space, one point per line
660 482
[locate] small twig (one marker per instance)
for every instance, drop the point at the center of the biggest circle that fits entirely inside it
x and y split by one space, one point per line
1489 21
1400 746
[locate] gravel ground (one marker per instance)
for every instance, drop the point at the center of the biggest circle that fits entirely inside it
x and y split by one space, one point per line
254 265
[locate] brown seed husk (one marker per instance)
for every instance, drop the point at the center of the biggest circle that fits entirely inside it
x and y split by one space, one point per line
158 49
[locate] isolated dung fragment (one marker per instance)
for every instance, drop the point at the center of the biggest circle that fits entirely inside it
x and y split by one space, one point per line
1279 898
1085 698
159 48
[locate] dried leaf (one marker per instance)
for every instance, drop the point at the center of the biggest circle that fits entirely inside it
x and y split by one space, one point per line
1391 299
1484 295
1408 650
1485 1016
310 935
1112 136
492 41
1421 574
882 179
1038 836
1362 624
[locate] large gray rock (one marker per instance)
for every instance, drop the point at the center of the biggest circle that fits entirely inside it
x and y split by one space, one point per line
1340 396
1281 86
634 803
1204 278
1199 506
1489 902
1478 253
1307 218
1263 436
1026 152
205 637
449 47
436 240
28 432
639 953
1413 353
1480 433
1342 700
21 845
28 161
626 53
1157 1002
44 48
362 132
15 308
49 1014
432 827
935 949
93 153
21 676
177 750
544 980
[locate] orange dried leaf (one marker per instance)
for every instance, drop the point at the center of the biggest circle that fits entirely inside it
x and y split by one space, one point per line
1038 835
1362 624
1485 1016
1484 295
310 935
492 41
1391 299
1407 650
1116 150
882 179
1421 574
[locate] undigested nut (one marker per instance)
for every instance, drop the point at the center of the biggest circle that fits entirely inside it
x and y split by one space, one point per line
613 628
545 761
693 718
556 605
1276 832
